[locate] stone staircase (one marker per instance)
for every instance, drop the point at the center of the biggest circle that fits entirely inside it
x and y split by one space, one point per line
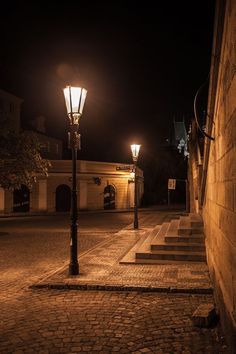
180 240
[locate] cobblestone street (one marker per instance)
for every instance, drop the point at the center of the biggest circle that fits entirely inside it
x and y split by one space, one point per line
77 321
57 321
32 247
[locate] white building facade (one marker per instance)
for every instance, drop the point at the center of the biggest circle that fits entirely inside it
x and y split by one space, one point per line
100 185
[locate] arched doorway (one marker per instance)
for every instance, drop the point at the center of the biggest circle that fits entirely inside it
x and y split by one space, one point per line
63 198
109 197
21 199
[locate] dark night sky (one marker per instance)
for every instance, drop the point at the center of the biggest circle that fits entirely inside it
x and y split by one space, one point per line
141 64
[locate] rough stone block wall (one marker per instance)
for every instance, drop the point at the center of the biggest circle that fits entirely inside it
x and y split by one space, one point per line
194 170
219 210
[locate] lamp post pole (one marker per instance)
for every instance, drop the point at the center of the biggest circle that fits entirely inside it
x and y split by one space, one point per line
135 197
135 152
75 99
73 265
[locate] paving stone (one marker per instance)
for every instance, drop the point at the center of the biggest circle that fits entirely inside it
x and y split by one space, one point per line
57 321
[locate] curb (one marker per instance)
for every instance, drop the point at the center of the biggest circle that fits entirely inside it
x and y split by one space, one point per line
116 287
165 208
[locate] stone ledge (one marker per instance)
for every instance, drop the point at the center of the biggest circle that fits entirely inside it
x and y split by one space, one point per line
204 316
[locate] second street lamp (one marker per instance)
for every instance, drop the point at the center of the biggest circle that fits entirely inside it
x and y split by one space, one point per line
74 99
135 152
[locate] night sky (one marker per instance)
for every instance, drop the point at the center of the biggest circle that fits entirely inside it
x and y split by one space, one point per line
141 62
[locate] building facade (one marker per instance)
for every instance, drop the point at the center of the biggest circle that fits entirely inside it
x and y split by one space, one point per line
100 185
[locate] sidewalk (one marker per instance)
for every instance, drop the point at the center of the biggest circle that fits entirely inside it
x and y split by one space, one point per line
100 268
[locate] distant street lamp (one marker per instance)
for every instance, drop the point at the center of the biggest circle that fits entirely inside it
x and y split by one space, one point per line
74 99
135 152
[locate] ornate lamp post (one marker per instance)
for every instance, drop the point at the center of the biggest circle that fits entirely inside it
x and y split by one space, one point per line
135 152
74 99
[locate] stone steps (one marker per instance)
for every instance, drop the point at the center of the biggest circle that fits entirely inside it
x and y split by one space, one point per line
142 244
186 239
179 240
195 220
172 255
179 246
189 227
147 241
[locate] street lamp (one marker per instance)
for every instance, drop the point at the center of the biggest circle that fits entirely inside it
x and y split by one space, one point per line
135 152
74 99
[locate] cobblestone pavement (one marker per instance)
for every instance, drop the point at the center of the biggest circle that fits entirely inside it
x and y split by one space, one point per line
72 321
59 321
31 248
100 267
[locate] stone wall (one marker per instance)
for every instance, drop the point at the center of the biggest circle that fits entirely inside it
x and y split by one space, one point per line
194 168
219 207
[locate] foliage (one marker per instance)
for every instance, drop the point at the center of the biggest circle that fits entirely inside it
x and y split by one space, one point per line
20 159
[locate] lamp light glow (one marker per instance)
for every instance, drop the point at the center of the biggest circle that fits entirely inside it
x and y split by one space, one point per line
74 99
135 151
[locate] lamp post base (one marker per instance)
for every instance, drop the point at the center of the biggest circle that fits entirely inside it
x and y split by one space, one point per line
135 222
73 269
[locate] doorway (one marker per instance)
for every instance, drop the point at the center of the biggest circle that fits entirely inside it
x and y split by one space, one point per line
63 198
109 197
